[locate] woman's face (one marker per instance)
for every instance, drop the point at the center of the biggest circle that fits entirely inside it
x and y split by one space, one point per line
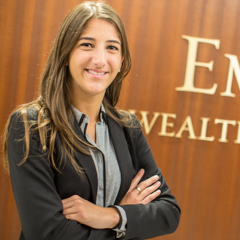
95 60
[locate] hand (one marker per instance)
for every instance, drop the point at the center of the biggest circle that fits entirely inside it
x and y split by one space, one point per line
143 192
87 213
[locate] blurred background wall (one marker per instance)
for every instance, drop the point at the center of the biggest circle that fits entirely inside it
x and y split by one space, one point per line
184 85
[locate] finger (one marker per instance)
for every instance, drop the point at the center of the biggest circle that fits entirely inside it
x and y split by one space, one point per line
136 179
147 191
151 197
143 185
71 216
70 199
71 202
71 210
68 205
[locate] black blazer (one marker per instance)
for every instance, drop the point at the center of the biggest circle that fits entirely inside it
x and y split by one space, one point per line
38 189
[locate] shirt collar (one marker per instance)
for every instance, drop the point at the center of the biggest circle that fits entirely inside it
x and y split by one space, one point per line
83 118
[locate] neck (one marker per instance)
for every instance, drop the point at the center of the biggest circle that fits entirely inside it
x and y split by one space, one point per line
91 108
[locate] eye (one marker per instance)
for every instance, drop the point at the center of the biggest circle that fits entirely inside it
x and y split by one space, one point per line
86 45
111 47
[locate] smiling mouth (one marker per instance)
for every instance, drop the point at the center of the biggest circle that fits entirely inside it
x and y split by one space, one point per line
96 73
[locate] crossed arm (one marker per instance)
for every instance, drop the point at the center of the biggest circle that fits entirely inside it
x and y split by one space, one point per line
40 205
85 212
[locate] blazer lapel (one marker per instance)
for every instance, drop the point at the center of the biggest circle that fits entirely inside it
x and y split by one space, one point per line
86 162
123 156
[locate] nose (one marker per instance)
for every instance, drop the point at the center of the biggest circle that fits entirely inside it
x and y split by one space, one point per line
99 58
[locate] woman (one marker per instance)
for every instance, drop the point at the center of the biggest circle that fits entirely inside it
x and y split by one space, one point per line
80 168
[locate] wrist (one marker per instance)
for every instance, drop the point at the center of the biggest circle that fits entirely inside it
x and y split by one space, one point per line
116 217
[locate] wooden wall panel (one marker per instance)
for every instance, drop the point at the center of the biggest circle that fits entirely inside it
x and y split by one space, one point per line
203 175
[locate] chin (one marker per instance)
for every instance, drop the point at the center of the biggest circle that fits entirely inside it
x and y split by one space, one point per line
98 90
95 92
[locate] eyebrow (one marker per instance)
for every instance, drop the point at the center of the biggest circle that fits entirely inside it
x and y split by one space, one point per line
93 39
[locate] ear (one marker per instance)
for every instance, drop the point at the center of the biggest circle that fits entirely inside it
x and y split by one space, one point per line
122 61
67 62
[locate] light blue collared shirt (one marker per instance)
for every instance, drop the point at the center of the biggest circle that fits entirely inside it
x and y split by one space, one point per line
106 164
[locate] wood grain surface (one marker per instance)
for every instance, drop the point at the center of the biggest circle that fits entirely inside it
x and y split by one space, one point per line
203 175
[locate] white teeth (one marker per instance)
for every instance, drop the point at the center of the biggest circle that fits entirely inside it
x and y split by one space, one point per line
96 73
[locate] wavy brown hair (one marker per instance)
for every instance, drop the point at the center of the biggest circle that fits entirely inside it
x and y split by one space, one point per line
54 109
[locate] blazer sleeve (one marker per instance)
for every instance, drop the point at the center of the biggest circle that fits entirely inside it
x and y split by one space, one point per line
39 204
162 215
